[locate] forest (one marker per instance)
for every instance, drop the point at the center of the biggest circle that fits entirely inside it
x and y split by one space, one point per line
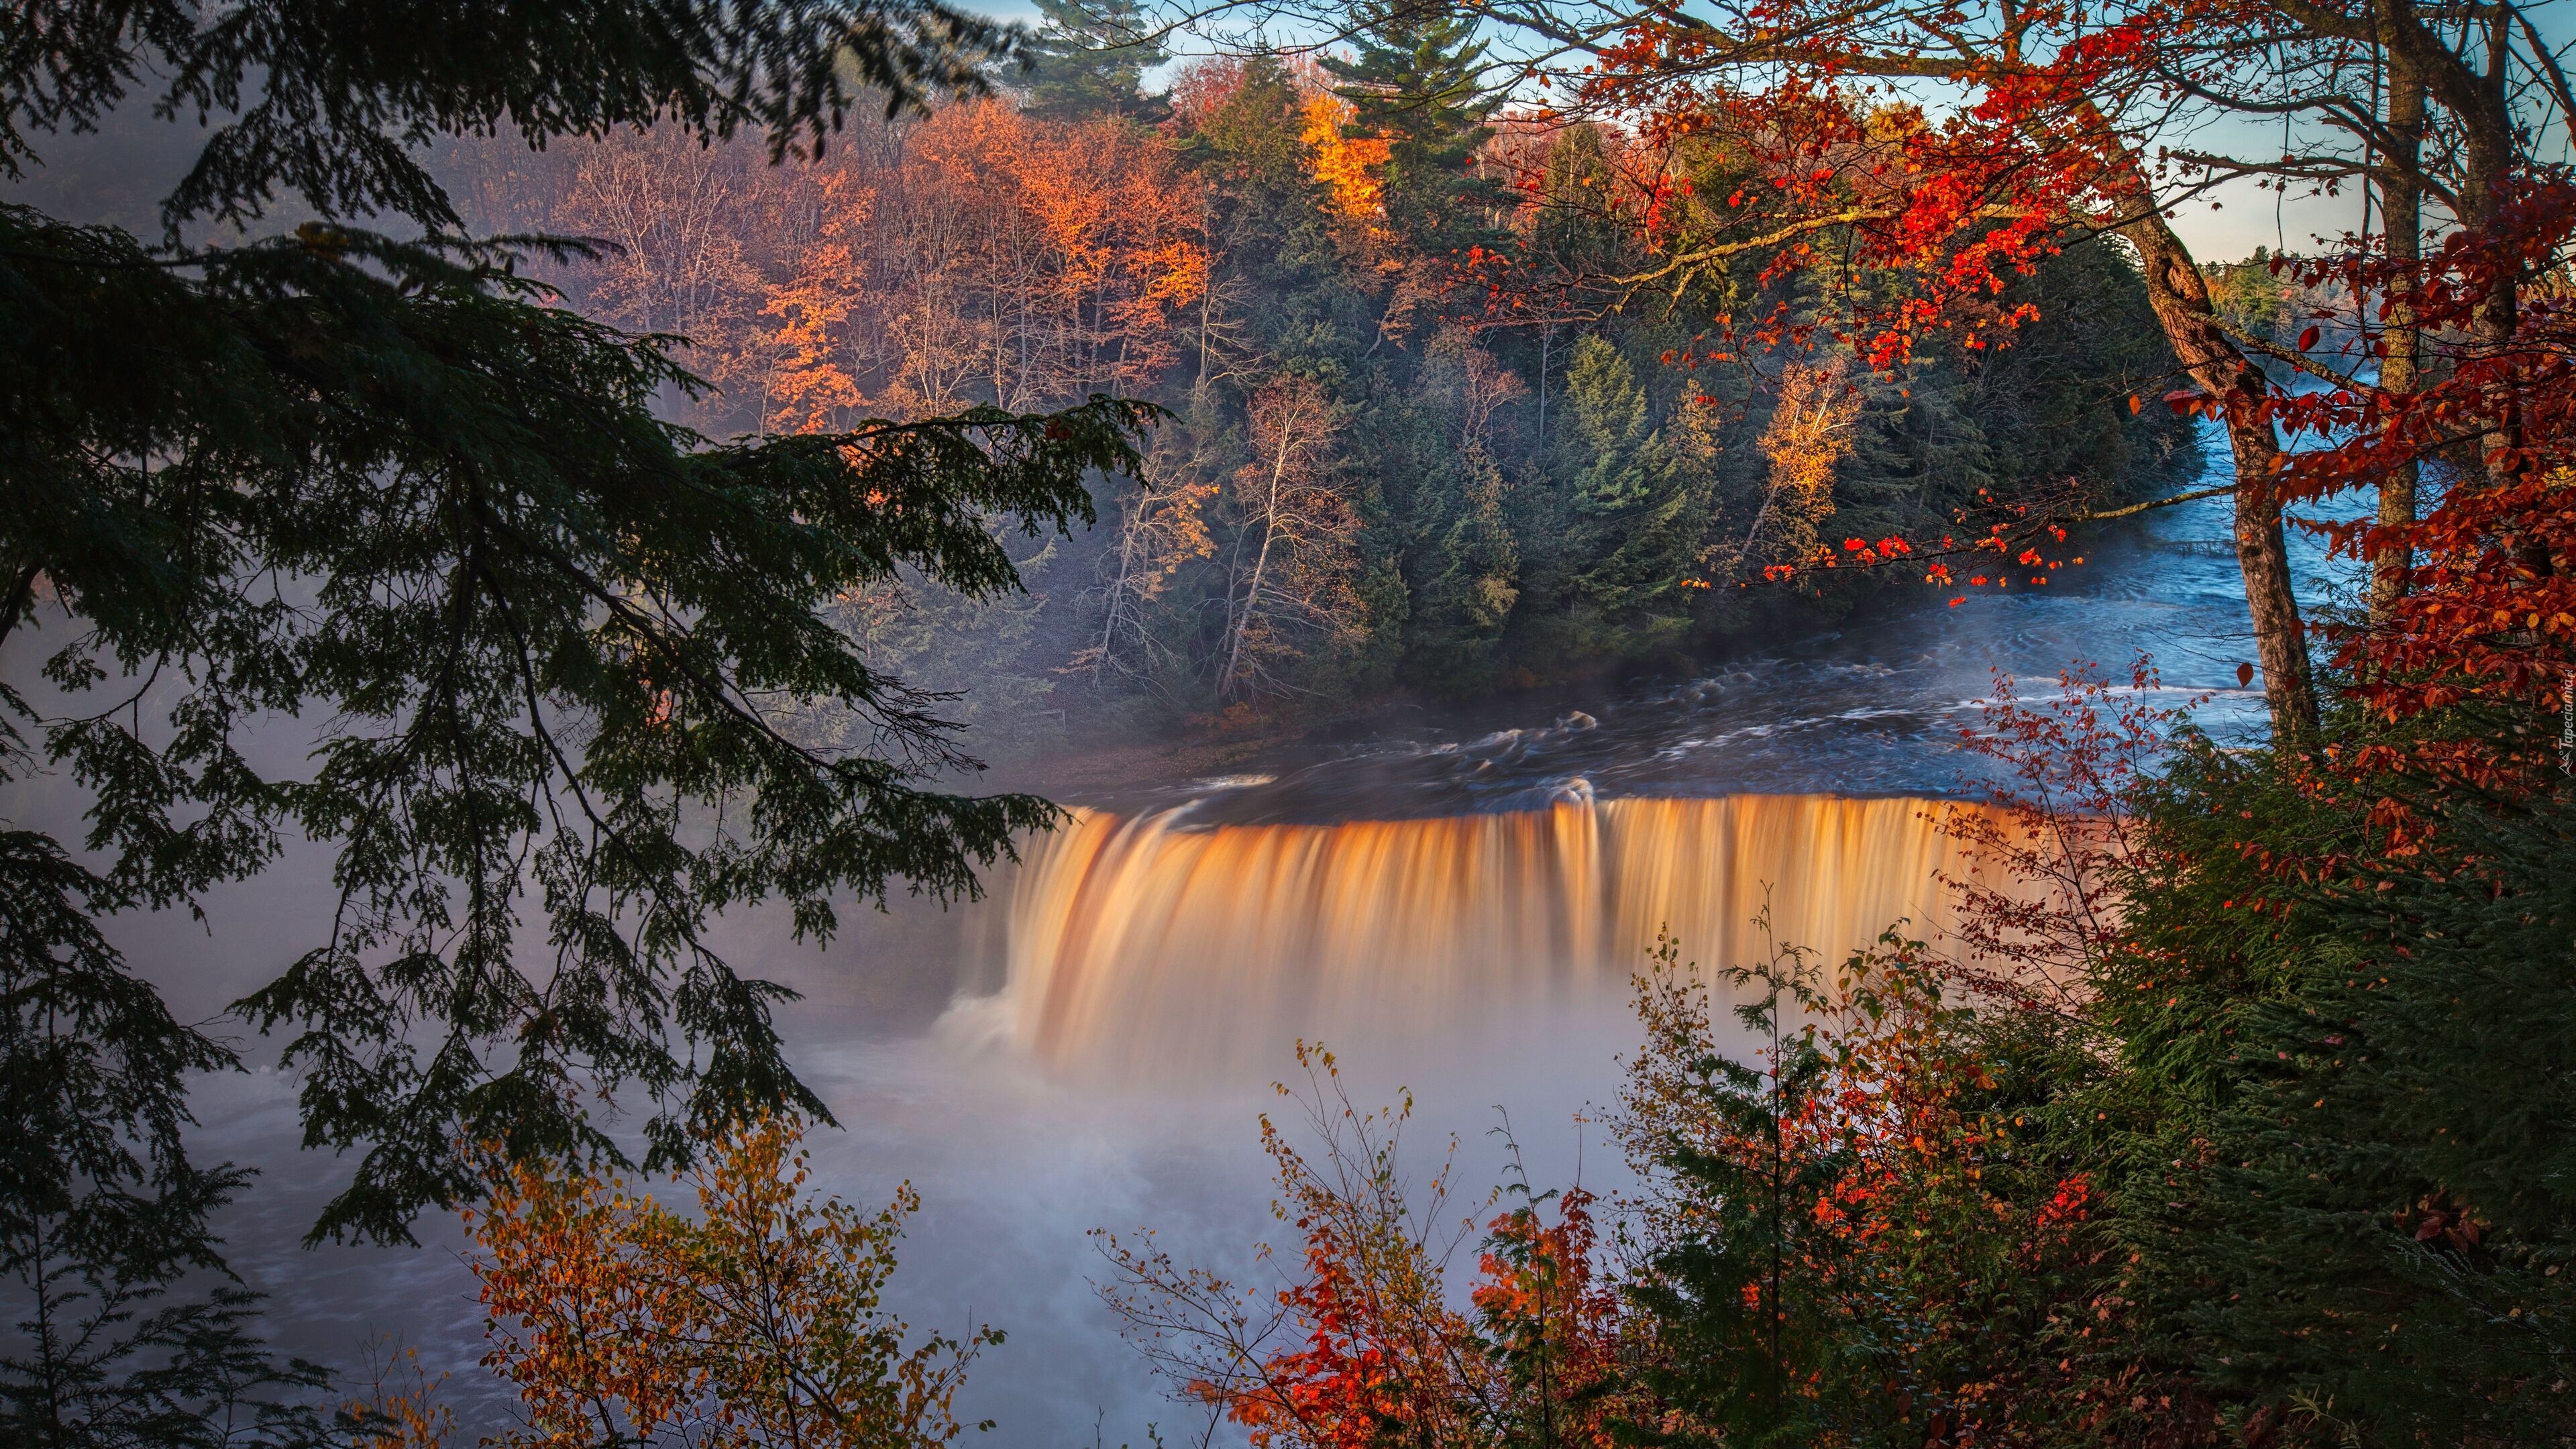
1384 469
671 442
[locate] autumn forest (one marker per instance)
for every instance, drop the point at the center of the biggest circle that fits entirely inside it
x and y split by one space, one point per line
1387 465
1418 724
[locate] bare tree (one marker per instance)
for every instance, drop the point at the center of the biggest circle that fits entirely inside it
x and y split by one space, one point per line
670 208
1162 529
1294 566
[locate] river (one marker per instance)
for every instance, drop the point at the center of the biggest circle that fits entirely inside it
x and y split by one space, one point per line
1452 901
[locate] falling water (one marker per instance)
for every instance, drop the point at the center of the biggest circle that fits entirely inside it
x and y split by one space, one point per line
1144 947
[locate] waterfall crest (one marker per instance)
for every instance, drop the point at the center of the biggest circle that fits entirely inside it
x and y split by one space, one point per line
1140 946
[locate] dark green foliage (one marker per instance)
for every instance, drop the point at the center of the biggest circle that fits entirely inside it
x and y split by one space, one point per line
2302 1106
1474 567
2351 1143
2046 417
1418 80
1579 234
2053 408
1561 494
1449 498
569 666
2255 298
495 567
1918 445
1738 1325
1277 291
1089 58
1635 514
1856 1231
103 1235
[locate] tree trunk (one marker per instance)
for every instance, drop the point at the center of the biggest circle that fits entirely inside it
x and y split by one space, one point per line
2487 148
2490 144
2180 297
1134 525
2481 104
2401 194
1260 562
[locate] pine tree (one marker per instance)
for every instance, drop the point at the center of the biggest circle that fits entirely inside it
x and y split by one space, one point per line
1918 445
2054 406
1089 58
1417 81
388 484
1473 583
1636 514
1269 230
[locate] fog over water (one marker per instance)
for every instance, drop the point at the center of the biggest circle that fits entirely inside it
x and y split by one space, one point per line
1030 1106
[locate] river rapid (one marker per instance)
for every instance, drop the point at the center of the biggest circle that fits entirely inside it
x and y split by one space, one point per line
1453 902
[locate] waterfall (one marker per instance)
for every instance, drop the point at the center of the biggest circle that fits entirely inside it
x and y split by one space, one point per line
1143 946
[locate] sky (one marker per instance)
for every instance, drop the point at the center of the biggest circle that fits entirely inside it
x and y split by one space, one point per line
2233 220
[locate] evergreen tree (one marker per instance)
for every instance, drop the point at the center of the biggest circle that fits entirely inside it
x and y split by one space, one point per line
2054 406
1636 514
128 1330
1606 564
1741 1328
1417 80
1472 580
1919 448
2045 415
1838 1244
1578 232
1461 554
2346 1145
1089 58
335 476
1278 271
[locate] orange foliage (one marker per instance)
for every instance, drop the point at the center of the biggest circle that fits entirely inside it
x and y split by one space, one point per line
811 388
1553 1321
1361 1346
978 256
401 1408
1346 166
1809 435
995 258
759 1322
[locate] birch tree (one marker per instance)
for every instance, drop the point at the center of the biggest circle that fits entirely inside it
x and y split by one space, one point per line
1809 435
1294 563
